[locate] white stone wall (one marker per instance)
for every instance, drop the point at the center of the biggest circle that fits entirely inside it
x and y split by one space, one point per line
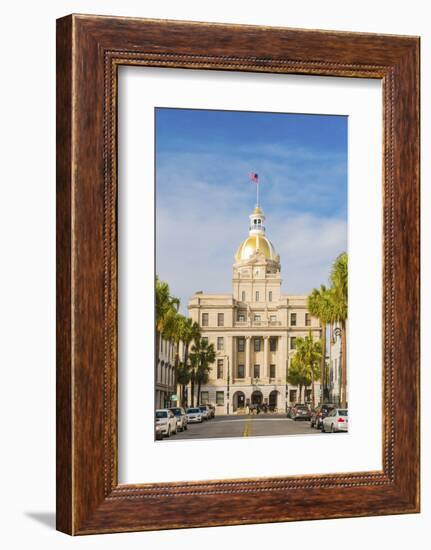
165 374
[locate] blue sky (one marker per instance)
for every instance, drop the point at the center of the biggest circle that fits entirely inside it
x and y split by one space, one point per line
204 196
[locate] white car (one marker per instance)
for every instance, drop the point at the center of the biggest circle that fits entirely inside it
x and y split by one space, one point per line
194 414
205 410
336 421
167 421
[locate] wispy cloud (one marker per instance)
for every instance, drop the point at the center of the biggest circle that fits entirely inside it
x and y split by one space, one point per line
200 226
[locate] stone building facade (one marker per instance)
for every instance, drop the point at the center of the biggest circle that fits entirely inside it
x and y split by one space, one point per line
165 375
253 329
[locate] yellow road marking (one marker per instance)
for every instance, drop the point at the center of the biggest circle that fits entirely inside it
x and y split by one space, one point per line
247 428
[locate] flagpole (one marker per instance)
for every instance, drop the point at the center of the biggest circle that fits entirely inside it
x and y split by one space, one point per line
257 193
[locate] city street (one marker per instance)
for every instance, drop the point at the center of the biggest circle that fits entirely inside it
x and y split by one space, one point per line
246 426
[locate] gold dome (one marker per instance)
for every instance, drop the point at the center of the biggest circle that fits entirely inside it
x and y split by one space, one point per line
254 243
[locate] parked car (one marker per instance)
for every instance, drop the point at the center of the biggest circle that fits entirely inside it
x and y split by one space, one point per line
319 414
206 411
167 421
212 410
194 414
180 415
300 412
336 421
158 431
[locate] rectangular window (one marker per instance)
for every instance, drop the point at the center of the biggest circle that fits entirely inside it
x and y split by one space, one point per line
204 319
273 344
272 371
292 396
273 318
204 339
256 371
243 296
293 319
220 397
257 295
204 397
241 316
241 344
270 296
241 371
257 344
257 317
219 368
220 343
307 320
293 342
220 319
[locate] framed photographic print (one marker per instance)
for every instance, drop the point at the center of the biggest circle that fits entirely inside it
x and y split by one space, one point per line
237 276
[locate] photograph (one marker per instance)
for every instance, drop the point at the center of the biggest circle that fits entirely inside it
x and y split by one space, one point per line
251 282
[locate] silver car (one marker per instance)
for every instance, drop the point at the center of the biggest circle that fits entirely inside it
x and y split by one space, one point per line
206 411
194 415
181 417
336 421
167 421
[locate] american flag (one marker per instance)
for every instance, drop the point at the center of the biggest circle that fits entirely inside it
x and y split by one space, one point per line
254 177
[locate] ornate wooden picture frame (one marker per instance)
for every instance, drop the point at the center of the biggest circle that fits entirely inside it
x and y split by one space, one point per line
89 51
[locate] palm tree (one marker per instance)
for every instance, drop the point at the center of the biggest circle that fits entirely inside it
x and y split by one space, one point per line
320 305
201 379
174 329
190 332
183 378
297 375
202 355
339 294
309 355
194 363
166 308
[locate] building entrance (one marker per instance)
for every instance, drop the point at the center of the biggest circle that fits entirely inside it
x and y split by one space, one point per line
256 398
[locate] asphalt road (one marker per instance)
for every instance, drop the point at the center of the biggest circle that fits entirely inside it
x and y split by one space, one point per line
245 426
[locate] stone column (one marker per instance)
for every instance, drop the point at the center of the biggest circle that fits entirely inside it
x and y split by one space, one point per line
281 358
247 366
229 373
265 373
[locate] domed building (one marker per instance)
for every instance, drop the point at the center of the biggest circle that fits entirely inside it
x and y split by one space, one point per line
253 330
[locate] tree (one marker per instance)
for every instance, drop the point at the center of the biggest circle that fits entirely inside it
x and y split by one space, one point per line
201 356
297 375
309 356
190 332
339 298
174 329
320 305
183 378
166 308
194 362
